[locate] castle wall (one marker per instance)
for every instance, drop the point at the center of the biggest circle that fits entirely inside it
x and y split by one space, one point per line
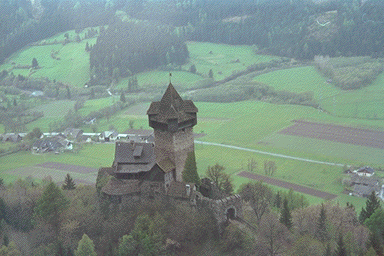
176 146
220 207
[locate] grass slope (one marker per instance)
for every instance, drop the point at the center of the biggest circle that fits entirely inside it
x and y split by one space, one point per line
224 60
53 111
72 68
303 79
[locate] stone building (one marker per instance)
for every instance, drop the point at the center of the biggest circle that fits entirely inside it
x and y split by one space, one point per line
172 119
146 171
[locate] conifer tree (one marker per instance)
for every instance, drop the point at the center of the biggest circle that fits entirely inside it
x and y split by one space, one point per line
87 49
372 205
86 247
69 183
285 217
340 249
375 241
328 250
51 204
278 200
68 92
190 174
35 64
92 93
127 246
321 228
210 74
192 69
122 97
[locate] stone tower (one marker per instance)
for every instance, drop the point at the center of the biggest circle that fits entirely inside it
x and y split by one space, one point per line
172 119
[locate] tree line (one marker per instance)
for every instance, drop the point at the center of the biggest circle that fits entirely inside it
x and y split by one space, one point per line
130 47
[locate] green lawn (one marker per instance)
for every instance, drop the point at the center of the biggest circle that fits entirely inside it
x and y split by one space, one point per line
92 155
221 58
299 80
72 68
328 150
96 104
54 111
364 103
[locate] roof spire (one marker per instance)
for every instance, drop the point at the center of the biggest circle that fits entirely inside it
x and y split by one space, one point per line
170 77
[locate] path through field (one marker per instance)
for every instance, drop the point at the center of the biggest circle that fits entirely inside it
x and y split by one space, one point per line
288 185
268 153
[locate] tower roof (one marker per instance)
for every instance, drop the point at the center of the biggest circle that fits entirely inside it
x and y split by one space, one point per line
172 106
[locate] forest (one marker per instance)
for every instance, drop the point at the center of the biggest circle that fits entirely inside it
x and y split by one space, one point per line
285 28
72 219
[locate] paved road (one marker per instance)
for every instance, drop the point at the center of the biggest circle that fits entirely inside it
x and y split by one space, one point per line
288 185
268 153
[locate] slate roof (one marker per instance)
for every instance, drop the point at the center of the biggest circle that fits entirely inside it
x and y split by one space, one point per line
11 137
361 180
47 145
362 190
366 169
179 190
106 170
124 153
134 168
107 134
172 106
121 187
73 132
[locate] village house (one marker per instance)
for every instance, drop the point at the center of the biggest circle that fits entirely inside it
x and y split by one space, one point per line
56 144
11 137
365 171
108 136
73 134
139 135
362 186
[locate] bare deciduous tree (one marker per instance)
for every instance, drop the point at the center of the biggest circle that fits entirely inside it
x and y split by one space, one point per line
259 197
270 167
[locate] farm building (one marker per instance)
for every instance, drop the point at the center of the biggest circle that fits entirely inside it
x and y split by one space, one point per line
11 137
143 171
73 134
108 136
362 186
365 171
54 144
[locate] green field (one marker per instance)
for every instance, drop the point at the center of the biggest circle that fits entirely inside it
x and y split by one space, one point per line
364 103
299 80
54 111
72 68
222 59
22 164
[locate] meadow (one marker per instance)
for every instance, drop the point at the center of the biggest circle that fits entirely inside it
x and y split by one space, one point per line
71 65
54 111
363 103
224 60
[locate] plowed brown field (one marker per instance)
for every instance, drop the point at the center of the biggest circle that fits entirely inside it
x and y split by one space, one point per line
337 133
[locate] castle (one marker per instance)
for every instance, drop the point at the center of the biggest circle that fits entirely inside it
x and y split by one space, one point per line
147 171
